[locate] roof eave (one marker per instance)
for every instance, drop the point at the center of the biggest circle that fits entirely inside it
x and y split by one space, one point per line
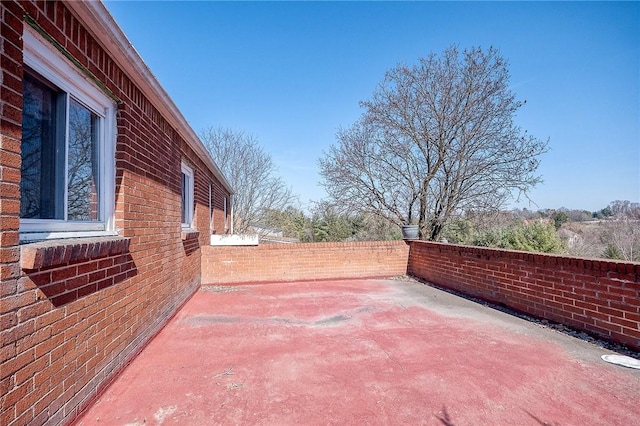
108 33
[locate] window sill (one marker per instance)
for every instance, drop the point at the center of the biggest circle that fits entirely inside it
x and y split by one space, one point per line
49 253
190 235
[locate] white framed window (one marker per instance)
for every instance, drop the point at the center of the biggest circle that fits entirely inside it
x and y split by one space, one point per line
211 224
187 204
68 149
224 212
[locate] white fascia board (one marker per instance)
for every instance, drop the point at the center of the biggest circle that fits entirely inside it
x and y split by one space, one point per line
99 22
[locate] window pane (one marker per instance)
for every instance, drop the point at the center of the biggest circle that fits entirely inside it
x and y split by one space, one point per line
83 189
184 198
42 157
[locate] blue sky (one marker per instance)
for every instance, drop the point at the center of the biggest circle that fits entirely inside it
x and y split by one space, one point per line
292 73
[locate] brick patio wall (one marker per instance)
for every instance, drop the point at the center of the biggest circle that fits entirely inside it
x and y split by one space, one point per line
599 297
294 262
73 312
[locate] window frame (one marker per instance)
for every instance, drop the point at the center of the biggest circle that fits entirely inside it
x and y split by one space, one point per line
212 226
44 60
224 197
187 204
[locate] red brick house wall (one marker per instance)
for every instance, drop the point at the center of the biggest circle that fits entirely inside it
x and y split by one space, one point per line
597 296
74 311
294 262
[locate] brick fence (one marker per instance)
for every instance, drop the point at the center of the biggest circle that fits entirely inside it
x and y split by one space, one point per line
596 296
293 262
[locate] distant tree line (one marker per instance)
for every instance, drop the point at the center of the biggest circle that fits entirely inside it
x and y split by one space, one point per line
621 232
325 224
614 234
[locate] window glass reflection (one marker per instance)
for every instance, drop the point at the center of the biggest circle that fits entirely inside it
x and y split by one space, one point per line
82 171
41 198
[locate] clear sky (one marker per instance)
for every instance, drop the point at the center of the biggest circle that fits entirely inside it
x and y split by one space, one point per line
292 73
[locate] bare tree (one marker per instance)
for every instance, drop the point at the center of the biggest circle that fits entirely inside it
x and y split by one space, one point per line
377 228
253 175
435 139
293 222
625 208
621 234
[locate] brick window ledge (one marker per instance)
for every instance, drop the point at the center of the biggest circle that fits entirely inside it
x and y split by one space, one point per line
44 254
190 235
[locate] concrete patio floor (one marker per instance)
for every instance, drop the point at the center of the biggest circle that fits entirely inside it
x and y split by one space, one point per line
359 352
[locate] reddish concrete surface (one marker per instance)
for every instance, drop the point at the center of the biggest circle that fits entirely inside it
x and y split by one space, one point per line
362 352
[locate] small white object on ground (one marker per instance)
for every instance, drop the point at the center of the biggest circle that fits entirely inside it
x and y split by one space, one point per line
625 361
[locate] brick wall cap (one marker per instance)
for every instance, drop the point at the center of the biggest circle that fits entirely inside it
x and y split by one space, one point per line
338 244
563 260
44 254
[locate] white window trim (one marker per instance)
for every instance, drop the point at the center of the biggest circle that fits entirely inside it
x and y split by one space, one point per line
225 212
44 59
211 224
188 171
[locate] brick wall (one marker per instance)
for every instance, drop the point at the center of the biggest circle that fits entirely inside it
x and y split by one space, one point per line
12 360
293 262
74 312
596 296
